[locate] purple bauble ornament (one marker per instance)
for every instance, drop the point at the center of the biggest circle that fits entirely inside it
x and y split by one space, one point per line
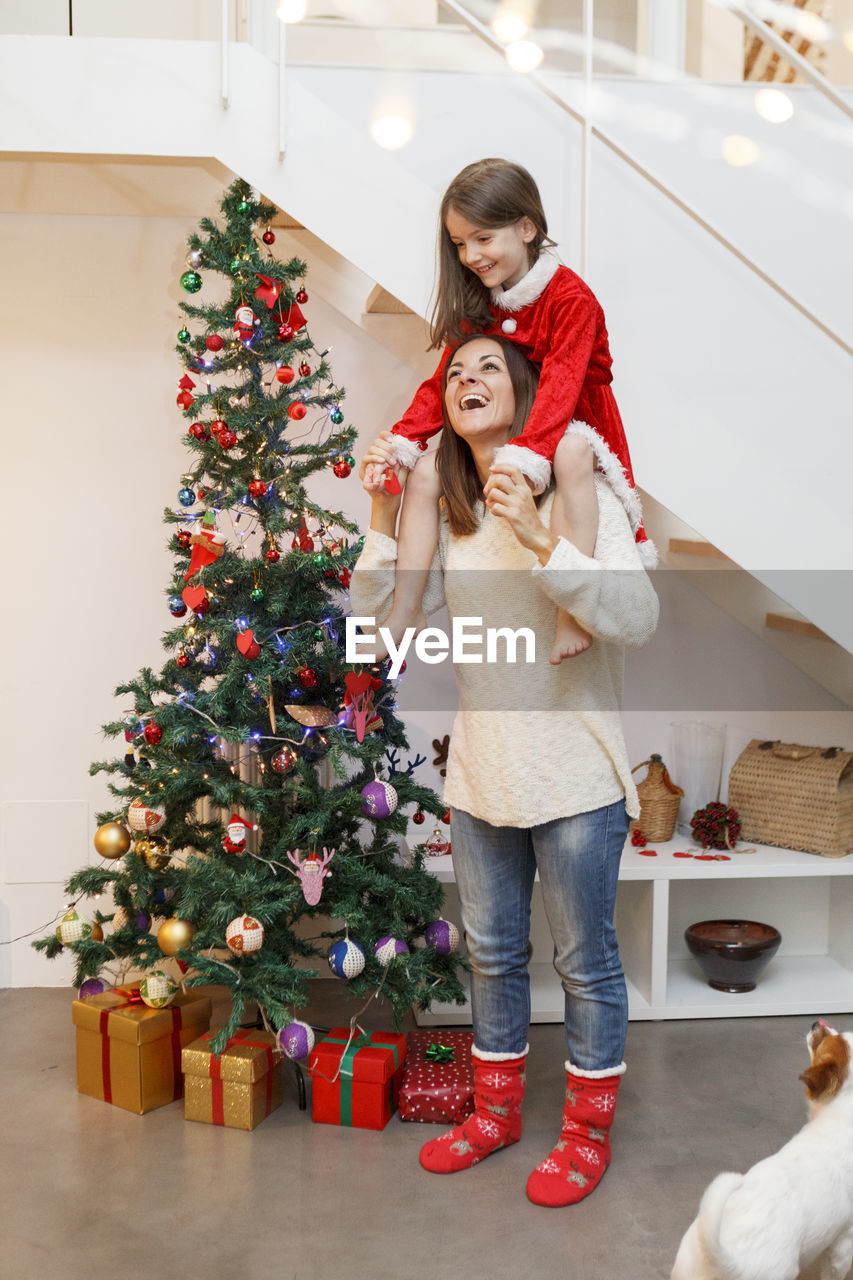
442 936
296 1040
379 799
387 948
93 987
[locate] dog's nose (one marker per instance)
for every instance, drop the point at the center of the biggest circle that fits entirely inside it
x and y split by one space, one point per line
816 1026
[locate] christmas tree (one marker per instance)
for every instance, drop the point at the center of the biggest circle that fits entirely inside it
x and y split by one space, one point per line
249 793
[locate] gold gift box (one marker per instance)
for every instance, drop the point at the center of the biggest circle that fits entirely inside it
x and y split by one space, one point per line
240 1088
130 1055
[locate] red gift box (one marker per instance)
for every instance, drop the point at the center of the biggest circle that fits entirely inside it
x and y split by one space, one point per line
355 1081
438 1092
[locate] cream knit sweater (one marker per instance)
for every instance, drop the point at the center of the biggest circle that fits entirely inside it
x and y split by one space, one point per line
532 743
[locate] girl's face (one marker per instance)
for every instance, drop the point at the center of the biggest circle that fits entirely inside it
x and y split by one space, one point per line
497 255
479 395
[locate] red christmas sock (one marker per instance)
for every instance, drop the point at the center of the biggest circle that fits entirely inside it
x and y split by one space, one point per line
496 1122
577 1164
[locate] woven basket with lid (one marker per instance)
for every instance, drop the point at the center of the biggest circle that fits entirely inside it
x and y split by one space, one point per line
795 796
659 800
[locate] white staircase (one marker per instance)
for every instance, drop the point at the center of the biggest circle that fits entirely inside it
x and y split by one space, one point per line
736 403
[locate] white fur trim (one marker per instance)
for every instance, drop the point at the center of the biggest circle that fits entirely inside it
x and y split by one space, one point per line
648 554
614 472
529 464
596 1075
499 1057
529 287
406 452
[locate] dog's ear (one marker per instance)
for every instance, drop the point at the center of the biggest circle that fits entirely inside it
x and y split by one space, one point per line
829 1069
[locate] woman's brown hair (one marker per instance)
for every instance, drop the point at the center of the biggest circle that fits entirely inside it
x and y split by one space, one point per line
489 193
461 486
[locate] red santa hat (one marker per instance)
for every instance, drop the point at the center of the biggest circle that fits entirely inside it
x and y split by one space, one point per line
236 820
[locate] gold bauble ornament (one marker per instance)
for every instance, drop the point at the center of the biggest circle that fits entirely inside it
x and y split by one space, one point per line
97 934
112 840
174 935
153 850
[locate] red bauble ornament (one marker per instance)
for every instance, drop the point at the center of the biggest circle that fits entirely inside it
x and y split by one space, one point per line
152 733
182 660
286 332
307 677
268 237
301 297
273 556
199 431
283 761
227 439
202 607
257 488
445 817
341 469
419 816
218 424
297 411
183 536
201 494
214 342
184 399
305 369
285 374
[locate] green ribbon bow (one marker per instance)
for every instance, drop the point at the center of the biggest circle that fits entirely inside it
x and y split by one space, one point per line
440 1053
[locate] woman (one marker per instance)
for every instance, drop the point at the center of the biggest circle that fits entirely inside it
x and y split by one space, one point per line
537 775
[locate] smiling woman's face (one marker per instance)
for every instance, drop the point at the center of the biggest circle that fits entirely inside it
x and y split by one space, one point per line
479 395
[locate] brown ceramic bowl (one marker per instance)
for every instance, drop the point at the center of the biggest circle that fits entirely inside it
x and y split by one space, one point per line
732 954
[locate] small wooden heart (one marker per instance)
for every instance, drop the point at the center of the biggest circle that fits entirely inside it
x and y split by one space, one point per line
314 716
358 682
247 644
193 596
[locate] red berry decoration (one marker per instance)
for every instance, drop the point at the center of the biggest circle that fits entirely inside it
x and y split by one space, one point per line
184 399
199 431
183 536
257 488
214 342
301 297
638 840
285 374
297 411
227 439
218 424
273 555
341 469
286 332
715 826
307 677
152 733
268 237
418 816
182 660
305 369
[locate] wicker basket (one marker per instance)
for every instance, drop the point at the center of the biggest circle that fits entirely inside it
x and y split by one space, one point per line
659 800
793 796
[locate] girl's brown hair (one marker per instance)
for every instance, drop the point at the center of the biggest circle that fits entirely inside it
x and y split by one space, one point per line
460 484
489 193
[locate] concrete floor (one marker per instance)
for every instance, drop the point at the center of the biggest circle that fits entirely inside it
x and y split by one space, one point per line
89 1190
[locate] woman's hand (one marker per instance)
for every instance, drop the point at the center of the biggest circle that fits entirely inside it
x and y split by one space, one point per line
372 471
508 494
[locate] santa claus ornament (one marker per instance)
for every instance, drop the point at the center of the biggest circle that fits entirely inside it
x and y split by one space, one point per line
311 872
235 840
244 323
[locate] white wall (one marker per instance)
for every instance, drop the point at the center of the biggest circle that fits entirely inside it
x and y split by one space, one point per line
93 454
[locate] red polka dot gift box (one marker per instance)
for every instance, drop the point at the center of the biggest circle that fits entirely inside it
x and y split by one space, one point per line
355 1078
438 1078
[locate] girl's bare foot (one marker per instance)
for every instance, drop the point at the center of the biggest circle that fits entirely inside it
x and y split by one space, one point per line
570 640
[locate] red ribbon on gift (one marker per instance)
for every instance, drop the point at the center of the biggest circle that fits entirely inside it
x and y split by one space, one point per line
134 997
218 1094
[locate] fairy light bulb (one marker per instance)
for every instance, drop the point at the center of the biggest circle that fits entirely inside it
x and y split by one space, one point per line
773 105
391 130
739 151
512 21
524 55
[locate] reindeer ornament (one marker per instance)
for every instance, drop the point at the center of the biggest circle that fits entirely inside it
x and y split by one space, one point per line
311 872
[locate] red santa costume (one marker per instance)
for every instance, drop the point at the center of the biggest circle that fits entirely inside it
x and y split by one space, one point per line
557 321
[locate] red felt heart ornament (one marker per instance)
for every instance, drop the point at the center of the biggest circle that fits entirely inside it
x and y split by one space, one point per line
357 682
247 644
193 597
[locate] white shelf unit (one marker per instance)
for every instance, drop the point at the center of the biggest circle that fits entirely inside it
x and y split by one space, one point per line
809 899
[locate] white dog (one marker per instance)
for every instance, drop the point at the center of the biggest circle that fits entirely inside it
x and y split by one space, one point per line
791 1215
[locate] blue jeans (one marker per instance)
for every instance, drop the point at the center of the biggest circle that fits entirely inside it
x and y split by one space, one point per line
578 863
